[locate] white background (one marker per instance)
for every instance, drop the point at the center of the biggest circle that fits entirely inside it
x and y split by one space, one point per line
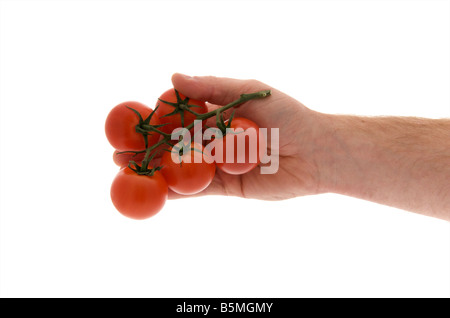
65 64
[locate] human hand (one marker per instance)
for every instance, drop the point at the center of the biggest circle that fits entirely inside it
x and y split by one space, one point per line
299 138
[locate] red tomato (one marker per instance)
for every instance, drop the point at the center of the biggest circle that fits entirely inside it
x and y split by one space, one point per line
123 159
174 121
189 177
138 196
120 127
245 155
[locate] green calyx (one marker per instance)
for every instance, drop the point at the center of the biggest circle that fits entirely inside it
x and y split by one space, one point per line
180 107
144 127
141 170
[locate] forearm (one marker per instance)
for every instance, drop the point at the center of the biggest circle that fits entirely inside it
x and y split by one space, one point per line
397 161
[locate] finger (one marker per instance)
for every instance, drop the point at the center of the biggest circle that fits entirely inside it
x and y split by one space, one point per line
211 106
215 188
173 195
212 189
216 90
211 122
226 114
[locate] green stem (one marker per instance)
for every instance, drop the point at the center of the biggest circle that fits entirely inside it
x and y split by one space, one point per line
242 99
146 128
146 161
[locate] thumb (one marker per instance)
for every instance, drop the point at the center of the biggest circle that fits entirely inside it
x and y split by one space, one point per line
216 90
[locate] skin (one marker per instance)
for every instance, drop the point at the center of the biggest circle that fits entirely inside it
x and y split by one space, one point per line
402 162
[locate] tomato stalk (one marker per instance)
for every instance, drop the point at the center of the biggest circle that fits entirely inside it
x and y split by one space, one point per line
144 127
242 99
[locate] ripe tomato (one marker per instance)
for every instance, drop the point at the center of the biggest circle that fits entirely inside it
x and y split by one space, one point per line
174 121
245 153
120 127
188 177
123 159
138 196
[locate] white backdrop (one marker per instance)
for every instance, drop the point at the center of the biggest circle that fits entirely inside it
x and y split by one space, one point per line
65 64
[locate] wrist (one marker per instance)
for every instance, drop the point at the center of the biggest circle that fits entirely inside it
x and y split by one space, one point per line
319 151
344 153
324 153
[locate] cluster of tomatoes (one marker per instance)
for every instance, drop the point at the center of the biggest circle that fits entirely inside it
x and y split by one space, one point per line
151 162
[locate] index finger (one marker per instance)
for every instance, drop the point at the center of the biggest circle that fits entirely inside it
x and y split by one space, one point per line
216 90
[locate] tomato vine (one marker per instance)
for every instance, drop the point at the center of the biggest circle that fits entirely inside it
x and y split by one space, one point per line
140 190
145 127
